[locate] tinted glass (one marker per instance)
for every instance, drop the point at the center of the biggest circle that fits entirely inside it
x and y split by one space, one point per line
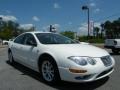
29 37
50 38
19 39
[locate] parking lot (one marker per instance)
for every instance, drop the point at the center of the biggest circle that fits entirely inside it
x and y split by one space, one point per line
18 77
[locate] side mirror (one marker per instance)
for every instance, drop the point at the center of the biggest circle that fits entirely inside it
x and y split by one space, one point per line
30 42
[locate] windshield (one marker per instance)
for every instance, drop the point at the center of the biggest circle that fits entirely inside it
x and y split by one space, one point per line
50 38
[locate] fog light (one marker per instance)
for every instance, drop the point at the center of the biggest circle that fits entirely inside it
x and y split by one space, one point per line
77 71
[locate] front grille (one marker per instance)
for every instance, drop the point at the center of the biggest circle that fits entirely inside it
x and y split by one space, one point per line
104 72
85 77
107 61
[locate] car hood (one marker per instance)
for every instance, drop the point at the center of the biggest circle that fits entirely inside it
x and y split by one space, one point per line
78 50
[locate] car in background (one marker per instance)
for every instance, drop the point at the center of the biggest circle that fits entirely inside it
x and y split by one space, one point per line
113 44
5 42
57 57
11 39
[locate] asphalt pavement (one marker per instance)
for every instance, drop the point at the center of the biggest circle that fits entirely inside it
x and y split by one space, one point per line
18 77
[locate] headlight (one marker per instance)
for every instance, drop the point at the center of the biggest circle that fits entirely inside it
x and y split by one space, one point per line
82 60
91 61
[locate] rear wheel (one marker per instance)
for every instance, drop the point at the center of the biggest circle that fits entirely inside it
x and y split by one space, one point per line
49 71
115 51
10 57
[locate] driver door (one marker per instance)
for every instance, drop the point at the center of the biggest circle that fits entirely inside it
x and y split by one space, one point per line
30 51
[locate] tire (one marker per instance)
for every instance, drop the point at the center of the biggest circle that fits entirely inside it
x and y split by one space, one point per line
10 58
49 71
115 51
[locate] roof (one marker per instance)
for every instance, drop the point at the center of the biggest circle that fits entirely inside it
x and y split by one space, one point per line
34 32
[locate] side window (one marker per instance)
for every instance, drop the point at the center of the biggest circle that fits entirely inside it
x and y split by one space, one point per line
29 38
19 39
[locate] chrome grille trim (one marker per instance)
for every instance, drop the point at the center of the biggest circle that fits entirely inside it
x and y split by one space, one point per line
107 61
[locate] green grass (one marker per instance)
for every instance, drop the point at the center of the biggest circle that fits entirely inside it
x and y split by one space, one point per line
91 40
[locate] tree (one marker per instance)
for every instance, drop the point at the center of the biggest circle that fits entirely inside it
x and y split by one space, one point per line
102 29
96 30
116 27
69 34
112 29
8 29
108 29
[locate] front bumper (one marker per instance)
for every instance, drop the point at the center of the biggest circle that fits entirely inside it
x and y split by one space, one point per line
72 77
93 73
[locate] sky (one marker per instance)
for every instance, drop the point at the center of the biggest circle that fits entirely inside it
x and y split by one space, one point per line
63 14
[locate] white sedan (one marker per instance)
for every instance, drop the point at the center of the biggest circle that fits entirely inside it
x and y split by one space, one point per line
57 57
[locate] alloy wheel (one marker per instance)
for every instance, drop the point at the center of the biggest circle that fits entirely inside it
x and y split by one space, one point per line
48 71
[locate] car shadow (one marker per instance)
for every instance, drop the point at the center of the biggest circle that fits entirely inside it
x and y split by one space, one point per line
62 85
26 71
81 86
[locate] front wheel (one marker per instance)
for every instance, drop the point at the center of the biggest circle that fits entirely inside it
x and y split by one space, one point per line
115 51
49 71
10 57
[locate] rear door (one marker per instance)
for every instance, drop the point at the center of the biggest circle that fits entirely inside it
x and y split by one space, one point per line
17 46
